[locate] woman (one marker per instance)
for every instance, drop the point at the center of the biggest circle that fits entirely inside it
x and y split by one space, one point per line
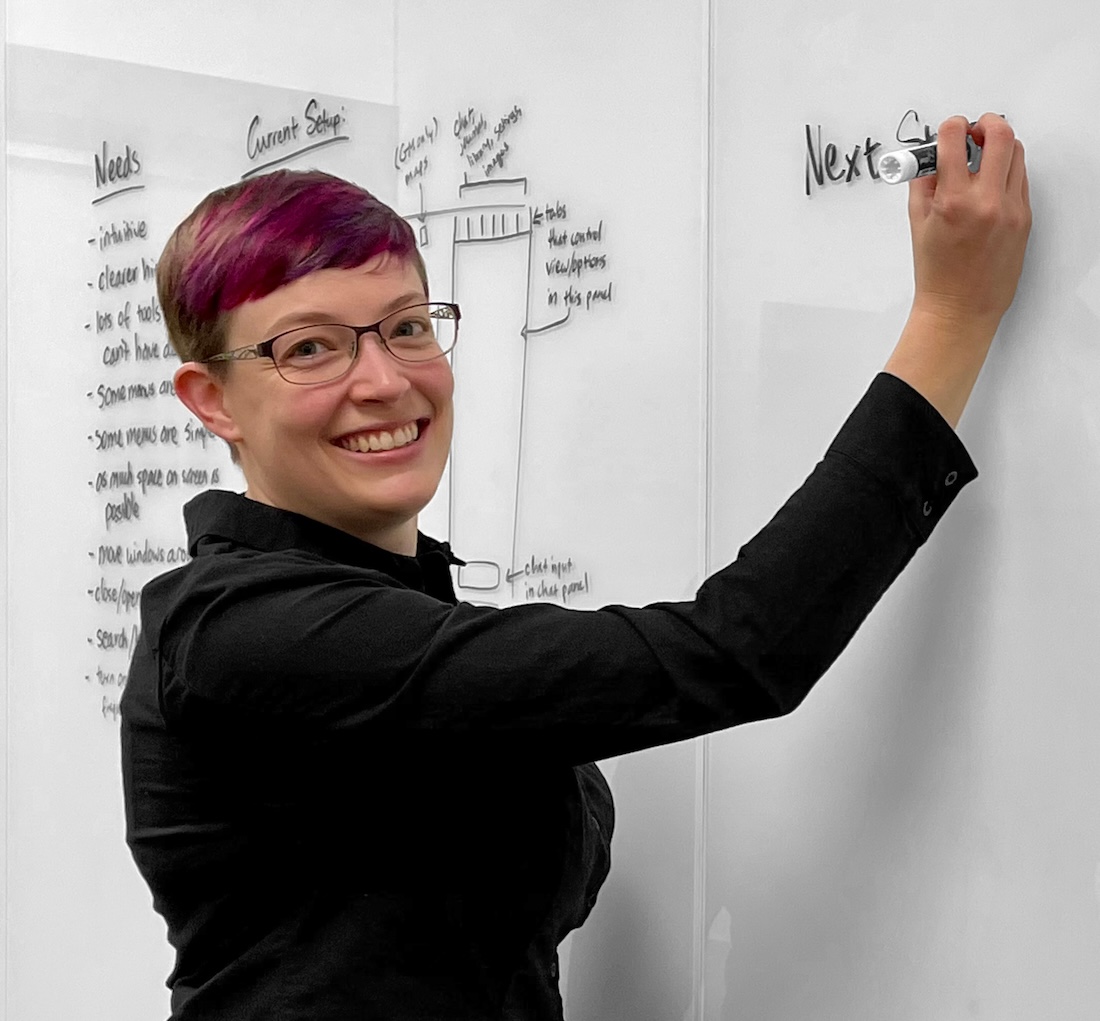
354 797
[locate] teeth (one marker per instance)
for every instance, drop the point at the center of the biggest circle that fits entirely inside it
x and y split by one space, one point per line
383 440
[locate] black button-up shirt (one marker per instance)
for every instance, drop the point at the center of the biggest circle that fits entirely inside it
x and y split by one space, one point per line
354 797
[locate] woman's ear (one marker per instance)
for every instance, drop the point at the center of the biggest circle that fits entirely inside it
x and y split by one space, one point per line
204 395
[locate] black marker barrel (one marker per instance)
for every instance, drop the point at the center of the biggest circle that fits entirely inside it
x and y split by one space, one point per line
920 161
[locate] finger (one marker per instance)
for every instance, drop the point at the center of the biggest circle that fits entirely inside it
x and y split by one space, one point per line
997 139
1017 172
921 192
951 169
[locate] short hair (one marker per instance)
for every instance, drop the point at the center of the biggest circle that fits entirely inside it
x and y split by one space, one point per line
246 240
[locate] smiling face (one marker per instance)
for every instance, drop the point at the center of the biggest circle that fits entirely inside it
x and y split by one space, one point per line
302 447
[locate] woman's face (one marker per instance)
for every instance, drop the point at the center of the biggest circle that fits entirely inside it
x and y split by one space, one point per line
290 436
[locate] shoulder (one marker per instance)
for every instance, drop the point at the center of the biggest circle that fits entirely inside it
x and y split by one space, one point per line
244 577
278 629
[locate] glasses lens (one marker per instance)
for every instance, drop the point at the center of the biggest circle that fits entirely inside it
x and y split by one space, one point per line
314 354
420 333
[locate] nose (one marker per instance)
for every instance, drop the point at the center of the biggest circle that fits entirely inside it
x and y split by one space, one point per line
376 375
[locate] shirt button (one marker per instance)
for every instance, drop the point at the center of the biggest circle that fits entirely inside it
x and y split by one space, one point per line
950 480
553 969
927 509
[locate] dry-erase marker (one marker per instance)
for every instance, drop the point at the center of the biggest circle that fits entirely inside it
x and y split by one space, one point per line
920 161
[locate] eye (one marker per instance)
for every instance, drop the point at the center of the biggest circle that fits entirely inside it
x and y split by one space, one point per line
411 326
305 348
308 344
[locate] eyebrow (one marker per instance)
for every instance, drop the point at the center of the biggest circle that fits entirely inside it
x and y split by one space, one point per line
309 317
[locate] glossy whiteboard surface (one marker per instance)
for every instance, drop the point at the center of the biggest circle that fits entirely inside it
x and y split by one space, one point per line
104 158
922 838
580 387
577 469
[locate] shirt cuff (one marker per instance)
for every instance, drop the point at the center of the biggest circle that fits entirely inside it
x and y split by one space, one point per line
903 441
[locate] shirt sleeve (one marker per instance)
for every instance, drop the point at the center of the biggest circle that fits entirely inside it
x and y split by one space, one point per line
331 649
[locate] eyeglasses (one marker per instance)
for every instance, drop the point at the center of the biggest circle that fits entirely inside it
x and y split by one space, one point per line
326 351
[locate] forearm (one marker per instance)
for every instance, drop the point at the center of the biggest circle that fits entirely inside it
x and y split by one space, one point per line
940 356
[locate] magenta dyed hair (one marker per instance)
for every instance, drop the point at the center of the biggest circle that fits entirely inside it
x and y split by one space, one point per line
242 242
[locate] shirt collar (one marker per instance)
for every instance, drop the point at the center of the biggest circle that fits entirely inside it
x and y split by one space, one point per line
218 514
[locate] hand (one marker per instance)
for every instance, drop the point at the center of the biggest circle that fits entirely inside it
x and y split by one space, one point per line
969 235
970 230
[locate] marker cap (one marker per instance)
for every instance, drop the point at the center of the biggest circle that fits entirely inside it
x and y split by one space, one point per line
899 166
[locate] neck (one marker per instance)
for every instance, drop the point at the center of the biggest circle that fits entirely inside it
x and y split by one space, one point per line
399 537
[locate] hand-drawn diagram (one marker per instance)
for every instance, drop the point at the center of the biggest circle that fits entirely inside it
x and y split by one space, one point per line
485 247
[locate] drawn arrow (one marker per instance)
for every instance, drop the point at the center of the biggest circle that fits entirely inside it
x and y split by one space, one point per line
527 332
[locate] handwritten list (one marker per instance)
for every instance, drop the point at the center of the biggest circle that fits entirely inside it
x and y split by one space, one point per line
143 442
104 159
147 454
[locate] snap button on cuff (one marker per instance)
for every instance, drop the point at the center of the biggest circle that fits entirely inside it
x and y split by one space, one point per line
927 509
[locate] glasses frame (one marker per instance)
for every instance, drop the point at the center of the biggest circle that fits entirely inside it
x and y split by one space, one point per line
264 349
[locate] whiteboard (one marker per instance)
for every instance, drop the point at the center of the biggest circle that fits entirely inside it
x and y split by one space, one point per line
921 839
603 413
587 438
104 158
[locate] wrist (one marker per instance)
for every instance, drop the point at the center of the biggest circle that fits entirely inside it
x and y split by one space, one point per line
963 321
